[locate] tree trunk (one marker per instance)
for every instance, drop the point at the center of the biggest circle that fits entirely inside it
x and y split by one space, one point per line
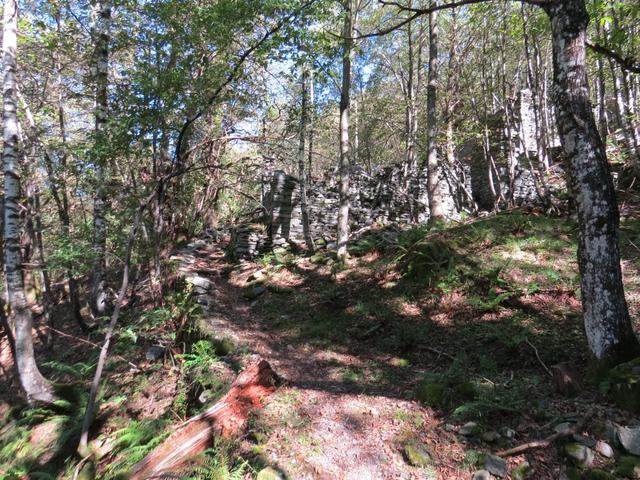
301 158
99 299
36 387
436 210
343 212
606 317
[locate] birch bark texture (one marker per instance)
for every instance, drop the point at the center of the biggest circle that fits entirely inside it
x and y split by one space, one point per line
344 164
36 387
606 317
101 13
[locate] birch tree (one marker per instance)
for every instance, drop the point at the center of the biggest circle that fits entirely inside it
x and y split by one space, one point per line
36 387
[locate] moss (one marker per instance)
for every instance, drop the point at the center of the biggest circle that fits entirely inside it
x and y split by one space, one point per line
269 474
598 474
417 455
433 394
623 385
628 467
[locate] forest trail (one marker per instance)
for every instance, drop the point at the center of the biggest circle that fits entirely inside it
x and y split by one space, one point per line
356 345
322 423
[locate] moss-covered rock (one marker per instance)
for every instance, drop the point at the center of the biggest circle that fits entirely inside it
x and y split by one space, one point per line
521 472
597 474
417 455
432 393
579 454
269 474
628 467
623 384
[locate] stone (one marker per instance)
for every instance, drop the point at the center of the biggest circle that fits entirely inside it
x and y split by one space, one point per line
417 455
597 474
563 427
470 429
495 465
154 353
604 449
584 440
508 433
491 436
623 384
522 471
269 474
579 454
254 292
628 467
481 475
629 438
199 282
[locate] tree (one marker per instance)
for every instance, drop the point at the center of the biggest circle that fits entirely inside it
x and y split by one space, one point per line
36 387
344 164
302 176
99 300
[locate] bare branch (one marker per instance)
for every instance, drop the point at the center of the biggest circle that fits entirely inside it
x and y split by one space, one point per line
629 64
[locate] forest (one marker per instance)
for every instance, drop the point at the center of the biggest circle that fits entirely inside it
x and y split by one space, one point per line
320 239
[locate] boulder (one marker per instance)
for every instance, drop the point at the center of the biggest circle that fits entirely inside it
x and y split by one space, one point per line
629 438
579 454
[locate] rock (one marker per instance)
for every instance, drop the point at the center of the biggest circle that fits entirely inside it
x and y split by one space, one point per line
597 474
269 474
604 449
508 433
257 275
522 471
154 353
583 440
628 467
563 427
629 438
470 429
495 465
254 292
206 301
199 282
417 455
481 475
491 436
623 384
580 455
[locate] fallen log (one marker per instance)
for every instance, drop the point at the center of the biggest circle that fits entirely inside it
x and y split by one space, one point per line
224 419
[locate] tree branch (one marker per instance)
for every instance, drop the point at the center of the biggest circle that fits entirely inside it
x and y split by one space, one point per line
629 64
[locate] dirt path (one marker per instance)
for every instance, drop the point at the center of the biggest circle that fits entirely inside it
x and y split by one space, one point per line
322 424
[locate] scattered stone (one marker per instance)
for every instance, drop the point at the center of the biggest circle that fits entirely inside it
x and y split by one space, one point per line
470 429
623 384
154 353
584 440
481 475
522 471
563 427
199 282
417 455
254 292
495 465
508 433
630 439
491 436
582 456
604 449
269 474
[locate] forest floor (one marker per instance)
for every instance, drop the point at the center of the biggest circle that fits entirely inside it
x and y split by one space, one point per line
428 350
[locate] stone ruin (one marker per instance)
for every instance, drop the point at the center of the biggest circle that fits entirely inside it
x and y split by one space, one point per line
389 195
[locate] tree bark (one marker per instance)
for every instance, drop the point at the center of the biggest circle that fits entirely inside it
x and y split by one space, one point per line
36 387
302 177
436 210
344 165
99 299
606 317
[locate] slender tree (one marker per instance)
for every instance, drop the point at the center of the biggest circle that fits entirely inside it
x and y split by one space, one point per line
344 165
302 177
99 300
36 387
